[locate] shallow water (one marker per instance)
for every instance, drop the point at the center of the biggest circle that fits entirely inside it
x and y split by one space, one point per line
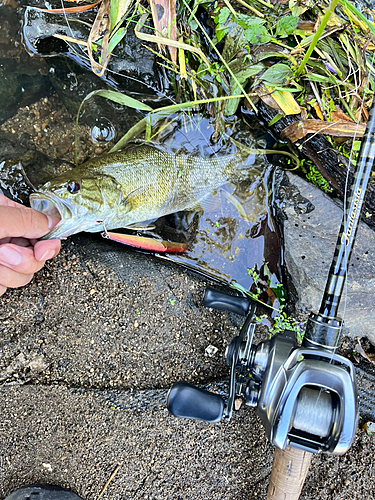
222 242
235 229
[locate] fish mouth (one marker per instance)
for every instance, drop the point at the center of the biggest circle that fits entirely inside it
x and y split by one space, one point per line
49 204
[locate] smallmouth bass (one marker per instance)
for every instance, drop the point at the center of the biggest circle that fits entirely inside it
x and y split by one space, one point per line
140 183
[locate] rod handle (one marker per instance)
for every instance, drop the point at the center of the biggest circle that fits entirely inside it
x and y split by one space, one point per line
289 470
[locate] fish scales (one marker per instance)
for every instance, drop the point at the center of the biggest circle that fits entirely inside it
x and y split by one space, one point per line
138 184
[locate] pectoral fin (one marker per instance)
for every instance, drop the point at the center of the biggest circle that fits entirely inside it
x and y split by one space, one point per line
133 199
209 203
236 203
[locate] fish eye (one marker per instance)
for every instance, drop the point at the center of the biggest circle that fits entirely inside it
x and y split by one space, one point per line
73 187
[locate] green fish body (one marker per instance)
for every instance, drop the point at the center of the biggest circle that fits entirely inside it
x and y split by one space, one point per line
141 183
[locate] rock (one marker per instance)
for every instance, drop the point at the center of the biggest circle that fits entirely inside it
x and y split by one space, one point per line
131 68
369 427
24 366
20 83
210 351
310 240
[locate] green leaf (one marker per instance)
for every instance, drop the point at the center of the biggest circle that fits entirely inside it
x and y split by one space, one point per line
275 119
298 7
247 21
220 20
261 55
116 39
276 74
161 113
193 24
243 73
244 69
286 26
117 11
319 78
220 33
234 42
222 17
257 34
279 290
113 12
119 98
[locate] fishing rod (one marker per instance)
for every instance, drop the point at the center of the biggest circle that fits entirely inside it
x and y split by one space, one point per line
306 396
323 328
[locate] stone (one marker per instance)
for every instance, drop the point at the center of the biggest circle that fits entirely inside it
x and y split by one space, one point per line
310 240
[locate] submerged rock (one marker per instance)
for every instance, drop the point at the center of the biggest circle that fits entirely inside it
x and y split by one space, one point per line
310 236
20 83
132 66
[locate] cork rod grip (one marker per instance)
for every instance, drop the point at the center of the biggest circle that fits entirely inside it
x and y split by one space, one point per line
289 470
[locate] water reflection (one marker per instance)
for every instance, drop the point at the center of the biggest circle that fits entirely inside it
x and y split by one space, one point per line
224 245
102 130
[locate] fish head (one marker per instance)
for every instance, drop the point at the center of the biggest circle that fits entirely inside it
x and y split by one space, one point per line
81 202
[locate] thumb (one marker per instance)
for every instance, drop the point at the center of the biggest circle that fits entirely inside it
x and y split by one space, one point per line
24 222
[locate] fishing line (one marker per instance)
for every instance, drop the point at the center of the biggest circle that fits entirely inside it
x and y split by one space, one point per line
345 197
345 295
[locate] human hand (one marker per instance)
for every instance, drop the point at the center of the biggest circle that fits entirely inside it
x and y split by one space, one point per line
21 255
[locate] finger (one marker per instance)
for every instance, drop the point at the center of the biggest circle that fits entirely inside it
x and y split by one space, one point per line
21 242
20 259
3 289
11 279
24 222
45 250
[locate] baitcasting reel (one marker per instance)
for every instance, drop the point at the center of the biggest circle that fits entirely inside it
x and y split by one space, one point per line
305 396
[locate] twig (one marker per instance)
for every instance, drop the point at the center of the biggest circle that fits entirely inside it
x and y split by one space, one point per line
253 9
319 101
109 480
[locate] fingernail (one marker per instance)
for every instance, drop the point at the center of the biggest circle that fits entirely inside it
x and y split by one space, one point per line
9 256
47 255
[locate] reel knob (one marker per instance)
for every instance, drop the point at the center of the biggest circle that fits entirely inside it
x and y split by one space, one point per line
225 302
187 401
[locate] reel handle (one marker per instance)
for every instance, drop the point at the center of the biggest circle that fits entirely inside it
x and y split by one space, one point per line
187 401
225 302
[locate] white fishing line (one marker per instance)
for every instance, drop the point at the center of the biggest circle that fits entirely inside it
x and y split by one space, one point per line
345 290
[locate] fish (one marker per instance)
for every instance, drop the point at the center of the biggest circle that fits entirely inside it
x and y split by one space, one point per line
137 184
